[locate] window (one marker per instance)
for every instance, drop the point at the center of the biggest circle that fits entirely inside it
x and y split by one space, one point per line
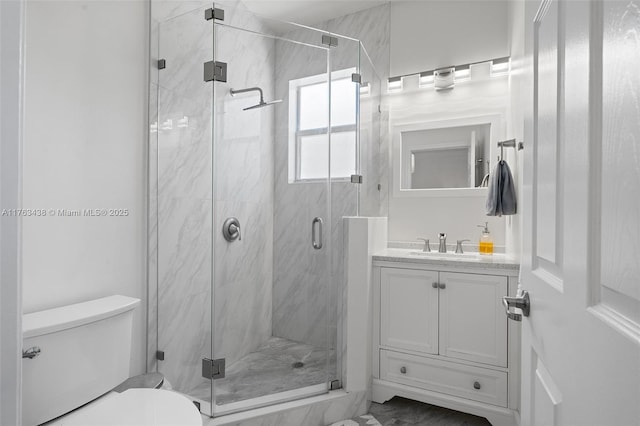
308 128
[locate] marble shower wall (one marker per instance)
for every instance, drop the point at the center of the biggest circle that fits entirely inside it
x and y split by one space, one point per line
186 207
271 281
300 292
181 203
244 188
299 280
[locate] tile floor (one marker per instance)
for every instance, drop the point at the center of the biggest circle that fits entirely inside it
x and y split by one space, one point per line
273 367
404 412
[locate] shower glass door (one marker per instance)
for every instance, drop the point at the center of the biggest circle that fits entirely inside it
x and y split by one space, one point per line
181 204
271 216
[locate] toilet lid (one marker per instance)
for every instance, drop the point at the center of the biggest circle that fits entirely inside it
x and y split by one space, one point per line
139 407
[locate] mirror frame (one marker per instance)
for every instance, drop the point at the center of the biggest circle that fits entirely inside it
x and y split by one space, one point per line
496 134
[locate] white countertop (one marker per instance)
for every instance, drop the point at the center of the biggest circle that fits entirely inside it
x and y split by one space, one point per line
471 260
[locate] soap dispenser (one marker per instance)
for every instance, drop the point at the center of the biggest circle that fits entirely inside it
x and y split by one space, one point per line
485 246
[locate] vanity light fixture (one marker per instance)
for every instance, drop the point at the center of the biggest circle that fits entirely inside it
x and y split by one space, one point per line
500 67
444 78
447 77
394 84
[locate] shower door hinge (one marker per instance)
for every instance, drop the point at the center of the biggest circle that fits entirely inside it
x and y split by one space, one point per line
215 71
356 178
214 13
160 355
329 40
162 64
213 368
356 78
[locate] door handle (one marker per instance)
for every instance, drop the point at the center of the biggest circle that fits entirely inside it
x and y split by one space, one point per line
520 301
316 239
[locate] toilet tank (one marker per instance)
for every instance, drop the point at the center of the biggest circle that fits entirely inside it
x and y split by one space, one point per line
85 351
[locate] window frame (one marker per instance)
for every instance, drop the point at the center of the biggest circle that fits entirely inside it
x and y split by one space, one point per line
295 136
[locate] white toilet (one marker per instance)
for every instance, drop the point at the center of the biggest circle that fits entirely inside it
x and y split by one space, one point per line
79 353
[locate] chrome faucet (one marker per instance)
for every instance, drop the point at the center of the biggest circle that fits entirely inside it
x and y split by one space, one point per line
459 246
427 247
442 248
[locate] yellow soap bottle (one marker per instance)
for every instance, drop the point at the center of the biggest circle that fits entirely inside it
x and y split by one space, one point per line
485 246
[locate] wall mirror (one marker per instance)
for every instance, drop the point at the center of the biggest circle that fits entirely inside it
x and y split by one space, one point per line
433 157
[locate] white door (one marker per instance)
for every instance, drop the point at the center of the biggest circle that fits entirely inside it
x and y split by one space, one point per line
581 257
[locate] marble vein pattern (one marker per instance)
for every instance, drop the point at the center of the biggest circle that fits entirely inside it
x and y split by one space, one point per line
404 412
301 274
273 367
183 205
319 413
297 309
194 185
209 160
243 180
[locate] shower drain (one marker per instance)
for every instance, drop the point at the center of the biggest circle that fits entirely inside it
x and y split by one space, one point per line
298 364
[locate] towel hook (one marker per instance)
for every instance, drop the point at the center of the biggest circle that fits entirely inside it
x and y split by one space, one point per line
511 143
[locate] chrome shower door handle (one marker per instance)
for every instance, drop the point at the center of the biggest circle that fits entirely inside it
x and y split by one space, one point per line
520 301
316 241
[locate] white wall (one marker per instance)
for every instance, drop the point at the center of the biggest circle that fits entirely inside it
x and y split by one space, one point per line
11 26
428 35
413 217
84 148
516 117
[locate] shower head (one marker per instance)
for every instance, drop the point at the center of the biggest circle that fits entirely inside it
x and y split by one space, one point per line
261 104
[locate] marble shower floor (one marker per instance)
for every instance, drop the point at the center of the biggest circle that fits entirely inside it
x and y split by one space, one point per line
404 412
270 369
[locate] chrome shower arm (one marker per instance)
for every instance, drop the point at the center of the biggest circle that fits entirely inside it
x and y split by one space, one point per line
250 89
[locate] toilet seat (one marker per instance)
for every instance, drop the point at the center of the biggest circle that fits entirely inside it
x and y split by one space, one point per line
136 407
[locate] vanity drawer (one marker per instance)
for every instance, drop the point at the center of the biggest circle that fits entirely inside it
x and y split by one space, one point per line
445 377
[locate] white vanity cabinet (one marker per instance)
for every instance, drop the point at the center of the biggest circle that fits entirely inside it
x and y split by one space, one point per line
472 321
409 309
441 336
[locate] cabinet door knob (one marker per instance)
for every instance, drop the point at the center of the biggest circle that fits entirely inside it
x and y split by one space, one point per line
403 370
434 285
476 385
442 285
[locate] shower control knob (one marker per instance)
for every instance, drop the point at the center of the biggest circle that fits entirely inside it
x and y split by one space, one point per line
403 370
231 229
235 229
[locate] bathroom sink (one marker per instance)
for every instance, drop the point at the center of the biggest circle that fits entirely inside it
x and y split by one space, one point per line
448 255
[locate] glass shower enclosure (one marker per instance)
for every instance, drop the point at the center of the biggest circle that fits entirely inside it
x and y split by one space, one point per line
256 151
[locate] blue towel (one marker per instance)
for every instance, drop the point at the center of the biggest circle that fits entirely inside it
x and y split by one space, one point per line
502 194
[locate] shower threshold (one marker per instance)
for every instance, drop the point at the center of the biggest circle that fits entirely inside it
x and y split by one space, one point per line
278 367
